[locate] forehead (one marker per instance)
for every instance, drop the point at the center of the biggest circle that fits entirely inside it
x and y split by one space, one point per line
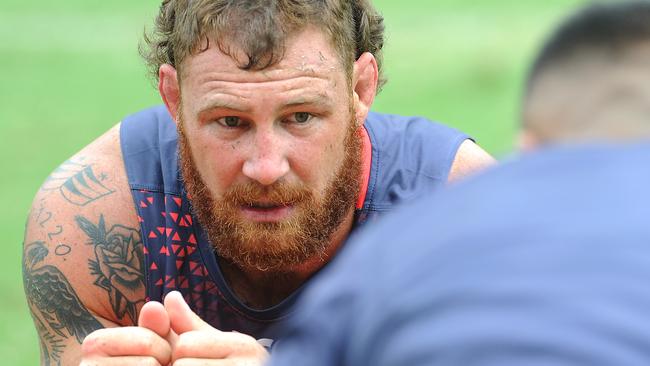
308 54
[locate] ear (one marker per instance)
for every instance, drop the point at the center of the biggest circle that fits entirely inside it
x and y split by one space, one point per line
527 141
169 89
364 83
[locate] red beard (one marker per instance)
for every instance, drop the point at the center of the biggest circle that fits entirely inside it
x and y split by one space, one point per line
274 246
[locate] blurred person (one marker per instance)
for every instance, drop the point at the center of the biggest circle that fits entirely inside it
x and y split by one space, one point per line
544 260
262 161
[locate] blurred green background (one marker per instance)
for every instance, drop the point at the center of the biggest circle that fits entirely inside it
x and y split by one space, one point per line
69 70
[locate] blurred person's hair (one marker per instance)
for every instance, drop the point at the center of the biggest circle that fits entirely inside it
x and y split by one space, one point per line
260 29
591 80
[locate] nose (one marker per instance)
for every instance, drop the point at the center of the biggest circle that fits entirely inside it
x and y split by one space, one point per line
267 162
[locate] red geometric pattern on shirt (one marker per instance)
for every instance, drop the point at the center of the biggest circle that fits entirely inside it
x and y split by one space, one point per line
174 261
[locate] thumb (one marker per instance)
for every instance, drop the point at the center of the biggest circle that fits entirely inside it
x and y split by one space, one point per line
182 319
153 316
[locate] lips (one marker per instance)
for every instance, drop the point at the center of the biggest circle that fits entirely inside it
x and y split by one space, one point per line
264 206
266 212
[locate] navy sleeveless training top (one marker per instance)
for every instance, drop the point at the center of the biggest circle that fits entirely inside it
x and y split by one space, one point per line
409 157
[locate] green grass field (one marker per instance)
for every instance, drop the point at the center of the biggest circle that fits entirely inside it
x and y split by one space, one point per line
69 70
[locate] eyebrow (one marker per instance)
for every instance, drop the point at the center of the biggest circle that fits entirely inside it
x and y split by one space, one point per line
311 99
213 104
321 99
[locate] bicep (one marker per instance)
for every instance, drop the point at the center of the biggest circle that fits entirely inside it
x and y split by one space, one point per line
470 158
82 257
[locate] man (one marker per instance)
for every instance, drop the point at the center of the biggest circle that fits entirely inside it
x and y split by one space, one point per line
541 261
279 160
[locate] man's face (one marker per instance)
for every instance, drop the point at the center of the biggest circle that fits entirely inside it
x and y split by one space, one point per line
271 159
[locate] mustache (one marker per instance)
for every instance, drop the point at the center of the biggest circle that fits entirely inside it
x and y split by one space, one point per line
277 194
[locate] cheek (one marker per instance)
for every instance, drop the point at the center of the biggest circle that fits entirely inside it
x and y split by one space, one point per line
219 163
317 161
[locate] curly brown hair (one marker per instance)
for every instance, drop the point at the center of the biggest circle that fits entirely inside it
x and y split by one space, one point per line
260 28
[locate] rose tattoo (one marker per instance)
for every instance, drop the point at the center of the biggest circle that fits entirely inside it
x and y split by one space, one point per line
118 264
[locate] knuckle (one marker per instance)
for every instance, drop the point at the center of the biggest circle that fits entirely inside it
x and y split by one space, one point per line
146 343
89 346
90 362
184 345
92 344
246 342
244 345
148 361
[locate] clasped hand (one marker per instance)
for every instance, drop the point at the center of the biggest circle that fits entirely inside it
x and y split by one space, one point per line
170 334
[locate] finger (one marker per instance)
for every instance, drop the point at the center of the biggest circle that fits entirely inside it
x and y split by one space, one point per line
223 362
126 341
122 361
182 319
217 345
153 316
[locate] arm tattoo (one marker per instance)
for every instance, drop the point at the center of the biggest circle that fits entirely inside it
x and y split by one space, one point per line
118 264
51 344
59 230
43 217
77 183
62 249
56 308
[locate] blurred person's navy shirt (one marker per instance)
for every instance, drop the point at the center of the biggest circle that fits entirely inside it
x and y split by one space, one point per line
541 261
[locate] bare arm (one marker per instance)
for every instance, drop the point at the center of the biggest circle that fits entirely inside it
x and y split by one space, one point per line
470 158
82 262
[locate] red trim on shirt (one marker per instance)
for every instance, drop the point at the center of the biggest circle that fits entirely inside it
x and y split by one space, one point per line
366 159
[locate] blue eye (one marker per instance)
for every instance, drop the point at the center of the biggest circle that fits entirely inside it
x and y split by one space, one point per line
230 121
302 117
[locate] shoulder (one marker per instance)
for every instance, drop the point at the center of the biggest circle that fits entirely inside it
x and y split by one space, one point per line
148 123
389 127
416 145
469 159
451 153
531 229
412 156
149 144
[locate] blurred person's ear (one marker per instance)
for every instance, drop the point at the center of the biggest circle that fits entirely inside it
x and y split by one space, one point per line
527 141
169 90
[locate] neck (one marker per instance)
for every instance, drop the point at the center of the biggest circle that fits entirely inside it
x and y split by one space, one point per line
263 289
